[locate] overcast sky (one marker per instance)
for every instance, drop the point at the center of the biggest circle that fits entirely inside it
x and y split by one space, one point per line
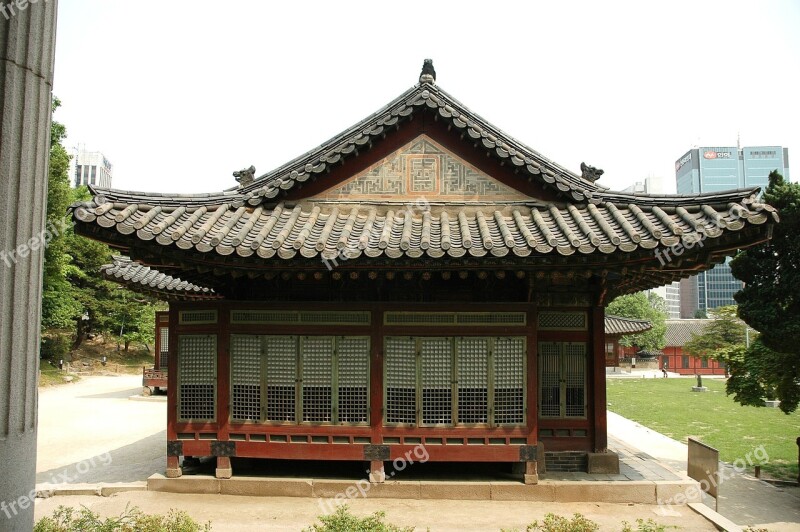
180 94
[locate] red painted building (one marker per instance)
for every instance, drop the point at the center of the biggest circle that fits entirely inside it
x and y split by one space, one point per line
679 332
421 278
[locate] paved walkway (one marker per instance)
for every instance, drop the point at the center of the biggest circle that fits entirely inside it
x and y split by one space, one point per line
744 499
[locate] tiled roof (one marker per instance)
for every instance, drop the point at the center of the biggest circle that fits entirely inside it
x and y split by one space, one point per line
317 230
679 332
618 325
425 95
152 282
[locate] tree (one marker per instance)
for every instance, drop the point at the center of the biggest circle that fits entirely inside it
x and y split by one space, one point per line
770 303
642 307
726 330
58 306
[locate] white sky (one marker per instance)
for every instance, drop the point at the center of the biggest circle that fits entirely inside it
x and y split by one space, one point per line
180 94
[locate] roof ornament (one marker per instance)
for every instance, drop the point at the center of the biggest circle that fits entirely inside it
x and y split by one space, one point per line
590 172
245 176
428 74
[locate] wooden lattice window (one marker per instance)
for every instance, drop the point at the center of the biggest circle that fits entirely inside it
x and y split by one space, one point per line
197 377
562 379
452 381
291 379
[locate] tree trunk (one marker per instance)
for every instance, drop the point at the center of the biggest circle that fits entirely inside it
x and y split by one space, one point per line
80 333
127 343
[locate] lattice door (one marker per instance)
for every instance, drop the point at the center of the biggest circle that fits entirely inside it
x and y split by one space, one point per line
509 381
353 382
549 379
473 380
562 379
197 376
575 379
246 377
317 384
436 359
281 377
400 380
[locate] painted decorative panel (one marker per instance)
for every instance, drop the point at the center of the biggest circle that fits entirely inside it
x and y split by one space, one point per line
422 168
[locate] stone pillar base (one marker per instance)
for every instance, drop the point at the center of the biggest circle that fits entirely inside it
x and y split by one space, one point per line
606 463
224 469
377 474
173 472
173 467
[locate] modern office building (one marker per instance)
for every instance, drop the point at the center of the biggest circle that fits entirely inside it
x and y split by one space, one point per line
713 169
91 168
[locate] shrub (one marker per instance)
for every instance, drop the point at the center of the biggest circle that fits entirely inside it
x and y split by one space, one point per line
65 519
557 523
645 526
343 521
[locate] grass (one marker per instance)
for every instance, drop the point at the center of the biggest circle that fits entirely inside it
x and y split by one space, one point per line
52 376
670 407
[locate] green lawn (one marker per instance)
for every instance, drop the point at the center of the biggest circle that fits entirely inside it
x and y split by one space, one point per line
670 407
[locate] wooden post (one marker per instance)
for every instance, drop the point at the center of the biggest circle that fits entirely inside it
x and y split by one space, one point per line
224 469
598 372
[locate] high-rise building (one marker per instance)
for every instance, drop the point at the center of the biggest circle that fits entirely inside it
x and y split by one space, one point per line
91 168
712 169
669 293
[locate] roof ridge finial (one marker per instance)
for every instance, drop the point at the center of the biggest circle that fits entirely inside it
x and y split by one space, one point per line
428 74
245 176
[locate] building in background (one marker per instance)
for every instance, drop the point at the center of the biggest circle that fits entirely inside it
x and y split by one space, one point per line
90 168
671 292
713 169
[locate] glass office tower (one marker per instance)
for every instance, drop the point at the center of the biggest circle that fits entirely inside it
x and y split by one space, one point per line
713 169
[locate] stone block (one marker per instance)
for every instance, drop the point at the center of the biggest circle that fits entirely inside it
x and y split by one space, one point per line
267 487
474 491
678 492
641 492
606 463
514 491
201 484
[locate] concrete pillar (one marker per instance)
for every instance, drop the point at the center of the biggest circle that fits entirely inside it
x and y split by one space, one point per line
27 42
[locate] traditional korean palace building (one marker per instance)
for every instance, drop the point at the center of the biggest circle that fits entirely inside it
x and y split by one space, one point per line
422 278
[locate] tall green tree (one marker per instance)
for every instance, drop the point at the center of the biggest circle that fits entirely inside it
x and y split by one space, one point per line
770 303
58 306
727 330
642 306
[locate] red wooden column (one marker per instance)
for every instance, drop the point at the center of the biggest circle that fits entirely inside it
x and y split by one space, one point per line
173 459
223 387
376 391
598 372
532 377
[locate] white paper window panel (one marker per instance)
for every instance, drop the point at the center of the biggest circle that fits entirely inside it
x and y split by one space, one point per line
353 378
281 377
317 363
400 380
509 380
163 353
197 355
473 379
436 358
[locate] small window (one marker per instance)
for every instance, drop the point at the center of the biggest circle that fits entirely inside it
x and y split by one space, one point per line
685 361
704 363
